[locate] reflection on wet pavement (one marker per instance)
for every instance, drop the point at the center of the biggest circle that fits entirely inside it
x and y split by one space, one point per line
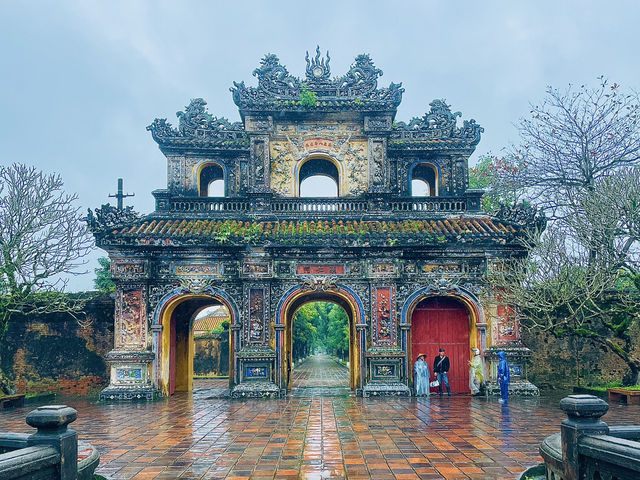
316 436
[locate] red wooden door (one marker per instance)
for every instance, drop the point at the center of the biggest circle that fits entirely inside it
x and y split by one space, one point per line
443 322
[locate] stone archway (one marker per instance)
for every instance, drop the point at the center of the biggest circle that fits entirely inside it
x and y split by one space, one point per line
300 295
449 318
173 343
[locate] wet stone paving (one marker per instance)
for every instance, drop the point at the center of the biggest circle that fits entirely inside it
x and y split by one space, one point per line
320 431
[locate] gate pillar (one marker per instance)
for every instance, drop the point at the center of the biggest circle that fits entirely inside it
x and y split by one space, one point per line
130 361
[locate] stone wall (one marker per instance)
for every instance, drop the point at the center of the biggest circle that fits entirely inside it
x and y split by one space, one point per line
565 363
59 353
211 355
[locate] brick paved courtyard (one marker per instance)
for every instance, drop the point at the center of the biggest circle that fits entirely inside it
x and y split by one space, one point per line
319 432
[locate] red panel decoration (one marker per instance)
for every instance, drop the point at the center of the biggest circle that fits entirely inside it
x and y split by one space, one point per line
443 322
384 328
256 315
505 329
131 316
320 269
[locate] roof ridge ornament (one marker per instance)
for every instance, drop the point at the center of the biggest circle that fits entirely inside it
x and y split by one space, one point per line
318 70
440 123
278 91
196 123
274 77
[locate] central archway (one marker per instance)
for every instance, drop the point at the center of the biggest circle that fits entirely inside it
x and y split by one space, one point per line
299 296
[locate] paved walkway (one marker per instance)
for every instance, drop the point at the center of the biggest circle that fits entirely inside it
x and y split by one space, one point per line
317 437
320 375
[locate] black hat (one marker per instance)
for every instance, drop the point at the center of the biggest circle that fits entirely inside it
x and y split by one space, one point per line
441 349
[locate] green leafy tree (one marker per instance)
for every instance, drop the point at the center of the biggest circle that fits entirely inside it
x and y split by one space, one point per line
320 326
338 332
103 282
498 177
304 331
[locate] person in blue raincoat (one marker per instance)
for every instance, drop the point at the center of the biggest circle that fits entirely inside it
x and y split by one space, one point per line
421 376
503 377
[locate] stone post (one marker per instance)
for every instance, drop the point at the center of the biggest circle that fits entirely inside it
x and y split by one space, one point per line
584 412
236 329
51 422
405 328
279 330
361 331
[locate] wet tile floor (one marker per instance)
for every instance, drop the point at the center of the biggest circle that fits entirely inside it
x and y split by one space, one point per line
318 435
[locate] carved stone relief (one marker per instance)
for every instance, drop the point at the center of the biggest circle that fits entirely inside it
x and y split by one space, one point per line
129 269
175 173
256 301
260 160
300 141
130 313
383 317
377 165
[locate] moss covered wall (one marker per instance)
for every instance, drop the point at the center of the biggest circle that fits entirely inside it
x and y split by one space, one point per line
59 353
211 355
561 363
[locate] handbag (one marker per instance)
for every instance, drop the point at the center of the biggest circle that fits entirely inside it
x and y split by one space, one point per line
435 383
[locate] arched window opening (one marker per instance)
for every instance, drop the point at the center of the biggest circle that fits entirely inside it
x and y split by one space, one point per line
420 188
318 177
318 186
211 181
216 188
424 180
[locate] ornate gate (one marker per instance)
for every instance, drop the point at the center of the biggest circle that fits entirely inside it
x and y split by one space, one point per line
255 246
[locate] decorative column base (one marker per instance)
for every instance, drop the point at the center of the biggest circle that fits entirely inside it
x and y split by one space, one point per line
385 374
256 372
517 355
129 378
256 390
389 389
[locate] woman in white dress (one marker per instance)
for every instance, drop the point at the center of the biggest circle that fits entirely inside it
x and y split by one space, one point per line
421 376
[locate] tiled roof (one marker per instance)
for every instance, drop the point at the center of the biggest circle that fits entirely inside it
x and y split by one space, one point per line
209 323
462 228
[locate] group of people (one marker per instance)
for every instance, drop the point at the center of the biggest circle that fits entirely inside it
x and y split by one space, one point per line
441 367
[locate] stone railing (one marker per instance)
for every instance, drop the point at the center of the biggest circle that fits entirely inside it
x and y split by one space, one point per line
50 453
430 205
266 205
209 205
587 448
318 205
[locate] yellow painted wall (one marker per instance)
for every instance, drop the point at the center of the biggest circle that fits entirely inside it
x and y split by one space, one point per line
349 151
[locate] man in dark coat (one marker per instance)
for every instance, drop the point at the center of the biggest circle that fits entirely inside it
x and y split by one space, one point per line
440 369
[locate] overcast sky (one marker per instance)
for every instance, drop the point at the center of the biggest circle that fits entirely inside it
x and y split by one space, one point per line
80 80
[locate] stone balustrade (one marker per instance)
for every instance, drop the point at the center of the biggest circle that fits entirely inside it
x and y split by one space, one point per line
587 448
50 453
316 206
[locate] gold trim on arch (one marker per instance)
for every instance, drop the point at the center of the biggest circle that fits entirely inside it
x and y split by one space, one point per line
436 175
354 346
199 169
472 309
164 363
